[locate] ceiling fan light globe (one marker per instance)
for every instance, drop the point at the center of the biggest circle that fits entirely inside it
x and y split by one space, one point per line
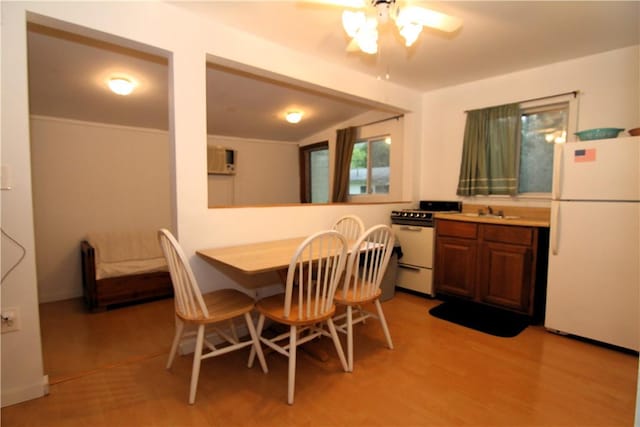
368 43
410 33
352 22
367 37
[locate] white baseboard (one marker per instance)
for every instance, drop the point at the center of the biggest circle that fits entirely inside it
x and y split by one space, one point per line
22 394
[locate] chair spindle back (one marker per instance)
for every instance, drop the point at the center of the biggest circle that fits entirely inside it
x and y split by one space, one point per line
350 226
188 298
368 262
315 271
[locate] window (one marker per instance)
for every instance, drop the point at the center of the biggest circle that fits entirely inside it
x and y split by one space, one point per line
508 149
314 173
541 127
369 173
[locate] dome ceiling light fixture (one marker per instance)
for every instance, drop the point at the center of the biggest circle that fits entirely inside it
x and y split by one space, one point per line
121 85
363 27
294 116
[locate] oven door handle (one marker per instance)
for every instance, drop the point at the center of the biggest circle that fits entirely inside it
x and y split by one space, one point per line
411 228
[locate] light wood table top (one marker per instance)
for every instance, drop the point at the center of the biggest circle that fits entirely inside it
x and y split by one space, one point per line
254 258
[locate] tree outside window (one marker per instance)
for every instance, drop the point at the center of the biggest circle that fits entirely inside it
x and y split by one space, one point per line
369 173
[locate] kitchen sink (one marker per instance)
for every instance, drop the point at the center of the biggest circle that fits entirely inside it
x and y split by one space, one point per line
493 216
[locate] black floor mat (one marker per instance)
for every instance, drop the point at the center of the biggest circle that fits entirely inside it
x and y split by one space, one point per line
482 318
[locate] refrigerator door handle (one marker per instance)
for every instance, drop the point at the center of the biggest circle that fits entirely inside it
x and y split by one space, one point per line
557 170
555 219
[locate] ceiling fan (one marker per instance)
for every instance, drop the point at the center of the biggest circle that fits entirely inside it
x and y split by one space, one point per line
362 26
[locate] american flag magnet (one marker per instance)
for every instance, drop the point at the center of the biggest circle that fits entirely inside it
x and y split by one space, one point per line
584 155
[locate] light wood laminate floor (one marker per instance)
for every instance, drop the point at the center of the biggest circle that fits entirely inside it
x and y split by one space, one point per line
439 374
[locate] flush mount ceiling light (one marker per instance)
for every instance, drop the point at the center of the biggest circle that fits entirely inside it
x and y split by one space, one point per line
294 116
121 85
363 27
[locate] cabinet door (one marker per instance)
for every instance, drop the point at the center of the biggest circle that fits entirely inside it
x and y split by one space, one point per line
506 276
455 266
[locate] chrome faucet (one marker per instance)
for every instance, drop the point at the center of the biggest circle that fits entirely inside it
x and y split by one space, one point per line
499 214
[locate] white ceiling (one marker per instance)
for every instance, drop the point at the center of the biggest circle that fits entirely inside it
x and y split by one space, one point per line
67 72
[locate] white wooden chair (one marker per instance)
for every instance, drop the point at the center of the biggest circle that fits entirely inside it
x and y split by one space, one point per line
361 285
313 275
350 226
192 308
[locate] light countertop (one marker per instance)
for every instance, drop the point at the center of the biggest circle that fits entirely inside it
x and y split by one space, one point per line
507 220
513 215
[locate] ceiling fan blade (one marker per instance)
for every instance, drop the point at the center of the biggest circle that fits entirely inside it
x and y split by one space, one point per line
429 18
353 4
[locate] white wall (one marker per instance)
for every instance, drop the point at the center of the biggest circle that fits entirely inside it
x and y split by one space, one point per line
186 39
610 97
267 173
92 177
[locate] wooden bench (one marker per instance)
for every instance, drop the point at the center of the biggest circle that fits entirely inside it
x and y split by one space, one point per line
121 268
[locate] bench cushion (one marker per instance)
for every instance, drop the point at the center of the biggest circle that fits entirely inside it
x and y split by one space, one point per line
123 253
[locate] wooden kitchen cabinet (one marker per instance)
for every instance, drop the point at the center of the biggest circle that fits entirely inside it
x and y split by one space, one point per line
456 255
489 263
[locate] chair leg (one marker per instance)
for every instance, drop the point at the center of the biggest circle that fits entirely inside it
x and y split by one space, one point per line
197 358
232 327
336 343
350 337
252 353
256 347
383 322
176 341
293 335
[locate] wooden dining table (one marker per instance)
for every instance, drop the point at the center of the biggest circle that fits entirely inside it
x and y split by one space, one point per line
256 258
252 259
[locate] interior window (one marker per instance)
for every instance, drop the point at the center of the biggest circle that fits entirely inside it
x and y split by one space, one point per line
369 173
541 128
314 173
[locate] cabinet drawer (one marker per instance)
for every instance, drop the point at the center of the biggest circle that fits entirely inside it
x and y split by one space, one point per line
508 234
466 230
415 279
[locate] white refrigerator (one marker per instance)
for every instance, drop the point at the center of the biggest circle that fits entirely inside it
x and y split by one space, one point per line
594 246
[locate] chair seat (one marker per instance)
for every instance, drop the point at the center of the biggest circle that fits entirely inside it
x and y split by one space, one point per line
223 305
351 298
273 308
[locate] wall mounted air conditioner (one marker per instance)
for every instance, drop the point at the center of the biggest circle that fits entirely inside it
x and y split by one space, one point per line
221 160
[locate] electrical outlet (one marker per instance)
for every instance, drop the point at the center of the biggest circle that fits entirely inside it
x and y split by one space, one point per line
10 319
